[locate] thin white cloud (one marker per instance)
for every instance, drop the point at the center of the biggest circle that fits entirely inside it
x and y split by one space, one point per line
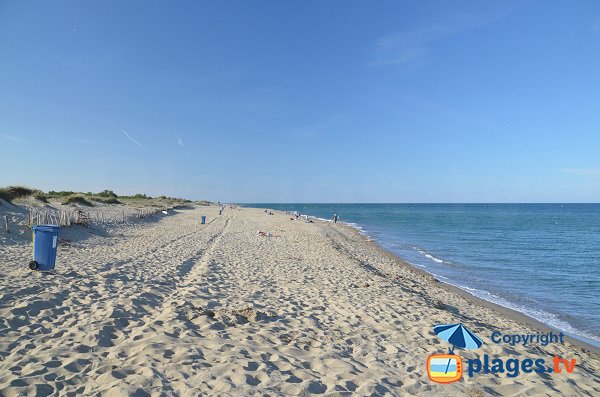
141 145
12 138
179 140
412 47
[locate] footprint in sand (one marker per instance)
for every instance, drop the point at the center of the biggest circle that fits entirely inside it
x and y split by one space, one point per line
317 388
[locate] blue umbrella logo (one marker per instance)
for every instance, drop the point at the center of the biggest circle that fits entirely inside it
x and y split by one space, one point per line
458 336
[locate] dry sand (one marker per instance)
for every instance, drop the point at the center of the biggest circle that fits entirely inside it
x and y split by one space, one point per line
168 306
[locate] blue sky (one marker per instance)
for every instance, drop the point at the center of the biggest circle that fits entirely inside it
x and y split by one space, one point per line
304 101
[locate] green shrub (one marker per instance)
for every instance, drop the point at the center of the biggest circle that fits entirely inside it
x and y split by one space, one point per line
39 196
107 193
62 193
10 193
77 199
104 200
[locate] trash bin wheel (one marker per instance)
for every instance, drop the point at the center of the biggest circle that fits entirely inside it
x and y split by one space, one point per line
33 265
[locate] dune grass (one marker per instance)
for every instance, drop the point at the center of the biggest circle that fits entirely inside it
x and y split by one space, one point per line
105 200
77 199
11 193
40 196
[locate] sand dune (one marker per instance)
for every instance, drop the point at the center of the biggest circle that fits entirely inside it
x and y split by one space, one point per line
168 306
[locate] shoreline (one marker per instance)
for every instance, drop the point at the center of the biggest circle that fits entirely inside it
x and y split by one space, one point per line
503 310
511 313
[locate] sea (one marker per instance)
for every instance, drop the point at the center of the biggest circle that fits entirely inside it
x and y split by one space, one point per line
542 260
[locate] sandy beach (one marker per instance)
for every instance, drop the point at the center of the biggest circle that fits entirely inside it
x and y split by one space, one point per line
168 306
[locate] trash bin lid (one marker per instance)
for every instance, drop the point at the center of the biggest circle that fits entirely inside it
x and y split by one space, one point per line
47 228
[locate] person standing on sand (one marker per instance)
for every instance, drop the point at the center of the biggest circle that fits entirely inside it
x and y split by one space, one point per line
335 218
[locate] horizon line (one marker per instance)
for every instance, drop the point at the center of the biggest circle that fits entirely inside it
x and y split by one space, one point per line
426 202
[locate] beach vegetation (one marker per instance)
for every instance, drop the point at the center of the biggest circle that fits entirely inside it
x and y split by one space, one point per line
11 193
77 199
106 196
138 196
105 200
39 196
62 193
107 193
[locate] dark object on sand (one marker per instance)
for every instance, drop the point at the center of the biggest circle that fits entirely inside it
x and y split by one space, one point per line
45 243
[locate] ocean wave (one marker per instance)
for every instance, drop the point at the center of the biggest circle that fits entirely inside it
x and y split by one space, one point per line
415 264
438 276
550 319
357 227
431 257
542 316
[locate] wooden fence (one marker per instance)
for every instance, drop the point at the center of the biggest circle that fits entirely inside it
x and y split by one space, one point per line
68 217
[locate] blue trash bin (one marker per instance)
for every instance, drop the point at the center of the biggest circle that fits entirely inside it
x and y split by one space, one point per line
203 219
45 243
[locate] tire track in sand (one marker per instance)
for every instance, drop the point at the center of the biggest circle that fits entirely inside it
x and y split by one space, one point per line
160 327
189 273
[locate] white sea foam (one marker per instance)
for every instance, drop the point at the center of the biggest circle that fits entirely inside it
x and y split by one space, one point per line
415 264
431 257
357 227
549 319
438 276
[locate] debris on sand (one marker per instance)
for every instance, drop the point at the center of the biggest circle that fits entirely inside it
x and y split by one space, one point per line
229 317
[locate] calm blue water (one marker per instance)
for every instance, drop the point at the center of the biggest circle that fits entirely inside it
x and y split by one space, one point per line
540 259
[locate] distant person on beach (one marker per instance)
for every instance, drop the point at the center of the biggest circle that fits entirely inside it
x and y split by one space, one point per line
335 218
